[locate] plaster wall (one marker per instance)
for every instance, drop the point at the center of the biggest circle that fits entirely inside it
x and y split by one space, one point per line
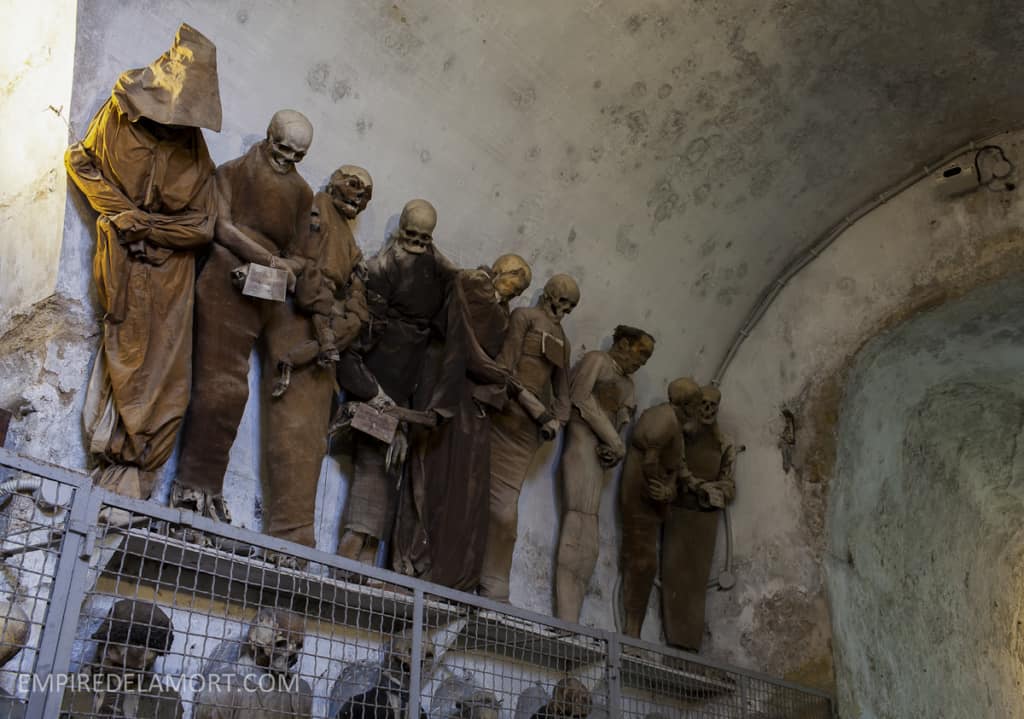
916 252
925 546
36 67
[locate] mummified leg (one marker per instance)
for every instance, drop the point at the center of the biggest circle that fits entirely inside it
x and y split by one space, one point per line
638 559
582 479
295 439
220 373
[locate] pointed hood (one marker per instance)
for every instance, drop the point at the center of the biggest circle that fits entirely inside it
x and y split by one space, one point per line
179 88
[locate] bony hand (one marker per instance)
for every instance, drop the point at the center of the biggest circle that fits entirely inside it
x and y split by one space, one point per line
280 263
397 450
328 355
660 491
608 456
549 430
381 401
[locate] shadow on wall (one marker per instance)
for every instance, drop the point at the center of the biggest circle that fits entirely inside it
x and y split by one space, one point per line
926 552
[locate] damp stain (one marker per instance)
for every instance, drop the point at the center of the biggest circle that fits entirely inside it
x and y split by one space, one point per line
340 90
572 236
664 91
638 124
523 98
317 76
624 245
363 125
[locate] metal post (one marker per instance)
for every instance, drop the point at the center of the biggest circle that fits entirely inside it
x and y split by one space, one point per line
614 676
69 587
415 679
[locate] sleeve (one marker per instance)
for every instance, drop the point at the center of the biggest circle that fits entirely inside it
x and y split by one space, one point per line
186 230
83 168
581 394
512 348
181 231
561 403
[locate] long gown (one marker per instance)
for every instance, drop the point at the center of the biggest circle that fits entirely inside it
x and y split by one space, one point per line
443 517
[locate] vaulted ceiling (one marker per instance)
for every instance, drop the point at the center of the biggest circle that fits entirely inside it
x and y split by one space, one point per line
672 155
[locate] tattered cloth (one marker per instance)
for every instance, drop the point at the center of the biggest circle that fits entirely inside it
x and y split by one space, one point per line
154 189
442 519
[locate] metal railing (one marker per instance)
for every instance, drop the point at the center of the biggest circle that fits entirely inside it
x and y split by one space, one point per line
229 610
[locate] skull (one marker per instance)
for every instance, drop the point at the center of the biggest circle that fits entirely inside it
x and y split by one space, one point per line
350 189
511 276
416 226
14 630
289 136
709 401
631 348
275 639
561 295
571 699
685 396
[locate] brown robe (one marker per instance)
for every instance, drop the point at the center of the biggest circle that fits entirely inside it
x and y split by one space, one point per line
688 542
537 352
406 294
655 448
154 189
442 523
273 210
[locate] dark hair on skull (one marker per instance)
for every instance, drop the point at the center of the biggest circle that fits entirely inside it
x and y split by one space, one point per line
632 334
135 623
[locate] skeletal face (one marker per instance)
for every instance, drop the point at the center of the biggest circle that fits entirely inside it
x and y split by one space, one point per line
416 227
631 356
709 401
561 295
276 639
350 190
288 139
511 277
571 699
128 658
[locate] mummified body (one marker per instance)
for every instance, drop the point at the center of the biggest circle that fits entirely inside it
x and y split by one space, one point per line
144 166
537 352
253 678
407 285
651 477
132 637
264 219
604 402
442 523
688 541
331 287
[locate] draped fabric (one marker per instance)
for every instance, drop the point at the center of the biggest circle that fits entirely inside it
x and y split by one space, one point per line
153 187
443 518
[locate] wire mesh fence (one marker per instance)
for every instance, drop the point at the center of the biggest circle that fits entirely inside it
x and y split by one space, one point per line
137 610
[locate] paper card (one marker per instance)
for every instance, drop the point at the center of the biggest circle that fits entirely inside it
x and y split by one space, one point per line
265 283
376 424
